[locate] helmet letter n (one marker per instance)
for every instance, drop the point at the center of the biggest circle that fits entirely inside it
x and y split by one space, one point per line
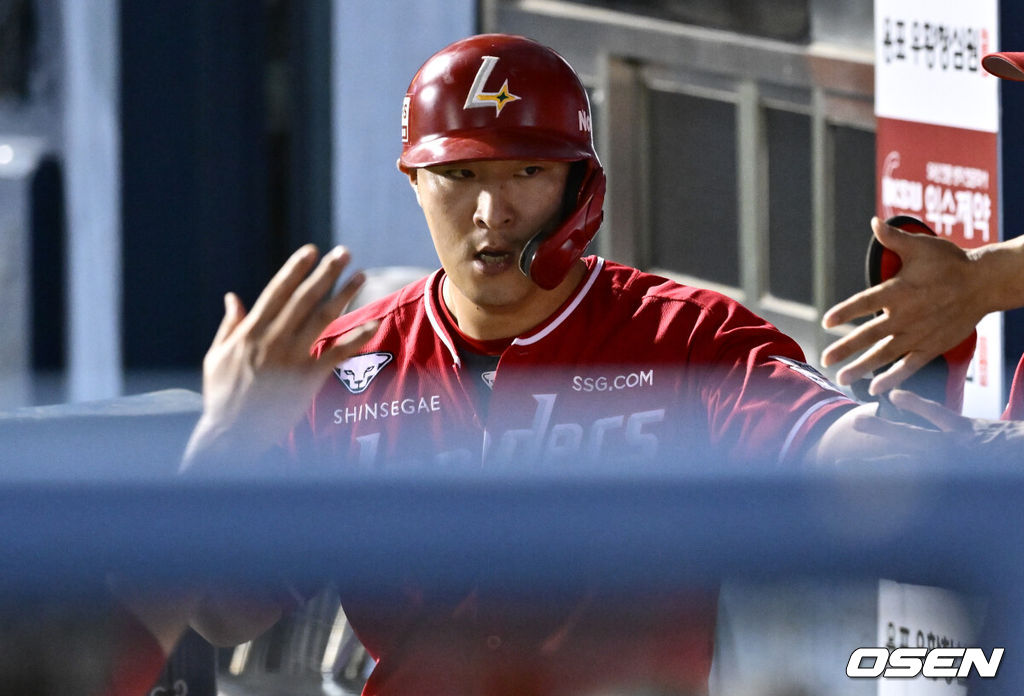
586 125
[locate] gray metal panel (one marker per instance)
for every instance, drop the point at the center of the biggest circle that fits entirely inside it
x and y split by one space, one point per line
844 22
581 34
623 159
93 179
378 47
17 164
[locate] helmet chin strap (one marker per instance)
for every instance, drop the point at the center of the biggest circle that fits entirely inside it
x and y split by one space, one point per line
529 253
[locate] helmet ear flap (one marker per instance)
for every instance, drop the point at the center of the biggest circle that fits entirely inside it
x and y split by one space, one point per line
574 194
547 258
574 183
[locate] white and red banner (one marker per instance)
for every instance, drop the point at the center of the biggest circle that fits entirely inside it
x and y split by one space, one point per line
937 142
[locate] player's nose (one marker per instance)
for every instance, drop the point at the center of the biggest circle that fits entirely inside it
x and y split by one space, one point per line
493 208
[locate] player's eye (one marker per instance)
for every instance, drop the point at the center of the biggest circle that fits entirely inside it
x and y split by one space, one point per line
459 174
531 170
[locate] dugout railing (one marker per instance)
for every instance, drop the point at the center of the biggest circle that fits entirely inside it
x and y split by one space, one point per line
91 490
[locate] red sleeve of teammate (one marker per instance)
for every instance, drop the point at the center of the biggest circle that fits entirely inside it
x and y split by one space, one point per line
1015 407
765 404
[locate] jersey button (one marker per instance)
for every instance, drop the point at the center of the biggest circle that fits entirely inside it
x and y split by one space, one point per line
493 642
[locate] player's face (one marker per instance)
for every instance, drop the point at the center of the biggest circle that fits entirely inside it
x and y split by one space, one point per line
480 216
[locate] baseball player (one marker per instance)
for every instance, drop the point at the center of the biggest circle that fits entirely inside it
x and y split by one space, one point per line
933 303
519 353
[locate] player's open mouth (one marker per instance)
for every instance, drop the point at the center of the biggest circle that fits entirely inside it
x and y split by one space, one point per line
493 258
493 261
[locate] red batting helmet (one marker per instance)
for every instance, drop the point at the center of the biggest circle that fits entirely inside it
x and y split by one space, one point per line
501 97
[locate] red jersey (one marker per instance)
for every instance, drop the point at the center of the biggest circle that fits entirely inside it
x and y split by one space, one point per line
1015 405
633 369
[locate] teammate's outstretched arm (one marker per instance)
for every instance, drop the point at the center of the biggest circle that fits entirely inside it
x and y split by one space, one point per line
258 375
932 304
986 440
861 436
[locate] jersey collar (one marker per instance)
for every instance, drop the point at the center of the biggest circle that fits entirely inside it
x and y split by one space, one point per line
539 332
432 300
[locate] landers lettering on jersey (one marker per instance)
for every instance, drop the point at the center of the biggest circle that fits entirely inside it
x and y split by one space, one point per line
545 440
357 372
387 409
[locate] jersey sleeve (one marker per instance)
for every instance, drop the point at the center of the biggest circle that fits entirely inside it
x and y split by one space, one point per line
764 403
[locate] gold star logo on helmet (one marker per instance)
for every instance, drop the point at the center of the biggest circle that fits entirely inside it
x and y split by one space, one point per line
479 98
499 98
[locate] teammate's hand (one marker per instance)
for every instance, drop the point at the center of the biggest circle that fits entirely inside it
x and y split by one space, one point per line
861 436
974 439
931 305
259 376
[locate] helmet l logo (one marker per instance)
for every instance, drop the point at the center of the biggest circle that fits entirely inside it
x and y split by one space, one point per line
478 98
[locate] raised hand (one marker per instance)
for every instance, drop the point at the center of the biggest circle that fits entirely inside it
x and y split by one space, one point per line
931 305
258 374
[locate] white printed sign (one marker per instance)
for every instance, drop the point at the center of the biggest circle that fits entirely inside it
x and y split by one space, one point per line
938 142
928 62
916 616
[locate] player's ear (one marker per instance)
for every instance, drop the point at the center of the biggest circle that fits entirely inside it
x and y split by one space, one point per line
411 173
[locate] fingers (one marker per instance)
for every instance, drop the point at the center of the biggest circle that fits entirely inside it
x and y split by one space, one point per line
347 344
307 296
234 312
910 438
334 306
890 237
281 287
861 338
330 309
881 353
930 410
899 372
877 346
862 304
871 300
